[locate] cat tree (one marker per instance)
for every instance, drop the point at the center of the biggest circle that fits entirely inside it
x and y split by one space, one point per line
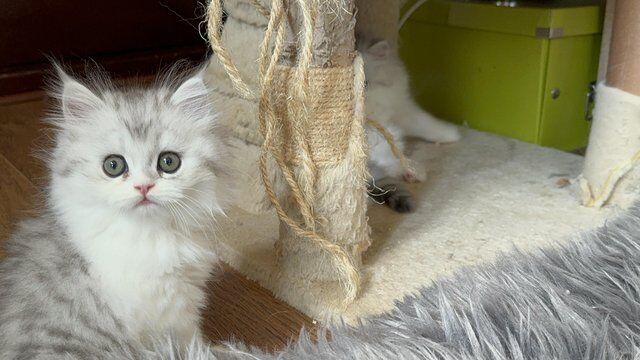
289 83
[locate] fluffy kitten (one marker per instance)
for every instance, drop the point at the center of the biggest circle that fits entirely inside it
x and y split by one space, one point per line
389 101
120 254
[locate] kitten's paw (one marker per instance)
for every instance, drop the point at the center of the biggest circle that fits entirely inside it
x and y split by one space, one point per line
402 202
389 192
447 134
412 175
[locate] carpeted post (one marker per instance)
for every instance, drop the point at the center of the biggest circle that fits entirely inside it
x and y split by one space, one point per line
610 174
318 117
378 19
313 154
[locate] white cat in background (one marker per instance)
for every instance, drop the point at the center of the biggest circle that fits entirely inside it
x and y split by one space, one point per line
389 101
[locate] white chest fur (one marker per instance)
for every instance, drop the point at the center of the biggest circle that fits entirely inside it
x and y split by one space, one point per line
153 279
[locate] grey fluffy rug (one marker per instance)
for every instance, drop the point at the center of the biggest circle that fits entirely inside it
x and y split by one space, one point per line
579 301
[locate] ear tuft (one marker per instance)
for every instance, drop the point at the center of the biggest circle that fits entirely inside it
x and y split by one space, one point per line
77 100
192 96
380 49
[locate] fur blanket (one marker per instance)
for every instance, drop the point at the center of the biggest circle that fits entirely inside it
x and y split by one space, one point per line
578 301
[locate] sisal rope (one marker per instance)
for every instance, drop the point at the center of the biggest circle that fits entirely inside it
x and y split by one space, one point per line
404 162
214 32
261 9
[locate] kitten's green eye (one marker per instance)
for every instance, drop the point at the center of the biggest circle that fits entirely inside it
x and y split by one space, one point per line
114 165
168 162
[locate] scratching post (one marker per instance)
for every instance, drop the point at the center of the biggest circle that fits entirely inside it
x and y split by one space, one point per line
324 148
610 174
308 102
378 19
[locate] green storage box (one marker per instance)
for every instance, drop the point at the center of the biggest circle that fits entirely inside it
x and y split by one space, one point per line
522 72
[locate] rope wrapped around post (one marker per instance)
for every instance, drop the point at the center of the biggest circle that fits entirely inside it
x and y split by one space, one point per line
292 146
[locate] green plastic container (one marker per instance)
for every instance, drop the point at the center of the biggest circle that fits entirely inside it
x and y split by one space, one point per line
522 72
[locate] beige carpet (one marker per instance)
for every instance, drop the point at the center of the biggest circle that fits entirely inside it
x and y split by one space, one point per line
484 195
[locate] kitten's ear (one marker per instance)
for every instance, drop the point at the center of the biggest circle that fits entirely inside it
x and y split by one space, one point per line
192 95
77 100
380 49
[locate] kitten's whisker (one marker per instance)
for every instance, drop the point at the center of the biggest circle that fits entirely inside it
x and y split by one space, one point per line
201 205
187 210
173 214
181 220
214 222
193 211
206 228
196 190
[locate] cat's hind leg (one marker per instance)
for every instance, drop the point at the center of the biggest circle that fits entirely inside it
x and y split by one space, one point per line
418 123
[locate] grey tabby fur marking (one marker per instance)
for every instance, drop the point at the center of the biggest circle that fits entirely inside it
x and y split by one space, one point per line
48 306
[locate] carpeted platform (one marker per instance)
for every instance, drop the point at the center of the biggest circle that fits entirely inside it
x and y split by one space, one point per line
579 301
482 196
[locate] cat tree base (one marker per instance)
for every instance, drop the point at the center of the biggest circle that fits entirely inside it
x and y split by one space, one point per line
484 195
611 174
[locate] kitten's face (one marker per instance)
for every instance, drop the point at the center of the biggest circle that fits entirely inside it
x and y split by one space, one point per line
154 154
382 67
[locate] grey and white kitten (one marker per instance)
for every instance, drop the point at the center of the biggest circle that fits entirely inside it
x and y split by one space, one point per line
121 251
389 101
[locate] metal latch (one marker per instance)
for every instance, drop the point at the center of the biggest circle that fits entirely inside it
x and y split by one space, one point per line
590 101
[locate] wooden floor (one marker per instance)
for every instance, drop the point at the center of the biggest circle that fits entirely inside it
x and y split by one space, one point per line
239 309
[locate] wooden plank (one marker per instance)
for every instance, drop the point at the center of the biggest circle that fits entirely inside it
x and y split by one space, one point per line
20 134
240 309
16 195
32 76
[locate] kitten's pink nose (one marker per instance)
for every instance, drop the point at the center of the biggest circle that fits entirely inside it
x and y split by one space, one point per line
144 188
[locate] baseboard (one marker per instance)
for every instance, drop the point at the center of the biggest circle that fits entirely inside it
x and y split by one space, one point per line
26 78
